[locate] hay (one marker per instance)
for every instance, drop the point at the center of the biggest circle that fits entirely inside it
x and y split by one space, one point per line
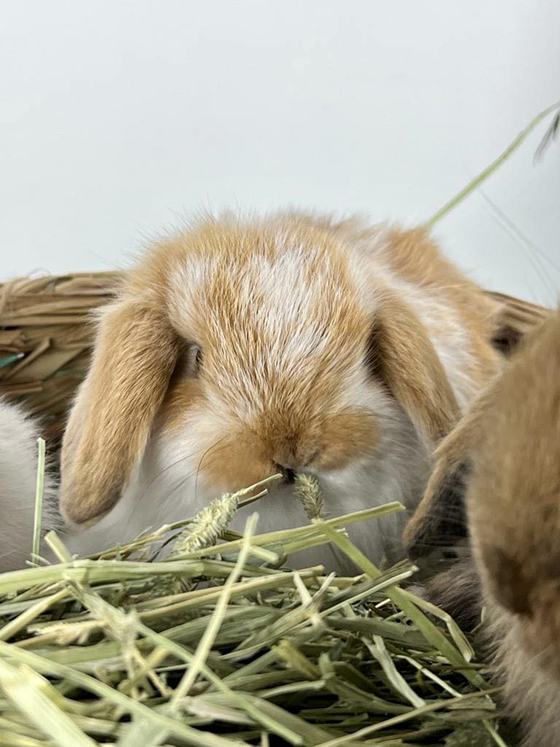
221 645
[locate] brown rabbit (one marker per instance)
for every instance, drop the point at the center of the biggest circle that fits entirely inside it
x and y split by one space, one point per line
507 454
293 342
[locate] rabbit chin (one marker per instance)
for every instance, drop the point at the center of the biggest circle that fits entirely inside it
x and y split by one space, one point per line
169 487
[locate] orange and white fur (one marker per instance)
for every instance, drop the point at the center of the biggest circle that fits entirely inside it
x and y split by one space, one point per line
292 343
510 440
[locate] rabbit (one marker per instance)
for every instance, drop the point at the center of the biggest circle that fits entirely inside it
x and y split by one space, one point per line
290 343
18 475
507 451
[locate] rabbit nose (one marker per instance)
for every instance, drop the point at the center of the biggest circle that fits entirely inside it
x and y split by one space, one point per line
288 474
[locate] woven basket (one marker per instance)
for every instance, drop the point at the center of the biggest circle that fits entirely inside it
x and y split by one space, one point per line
46 336
45 340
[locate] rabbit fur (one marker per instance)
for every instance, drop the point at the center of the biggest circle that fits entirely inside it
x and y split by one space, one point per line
508 450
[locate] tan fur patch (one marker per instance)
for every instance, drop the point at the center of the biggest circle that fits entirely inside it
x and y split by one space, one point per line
406 360
414 256
134 357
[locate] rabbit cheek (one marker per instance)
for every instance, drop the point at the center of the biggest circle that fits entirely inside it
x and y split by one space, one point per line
182 398
346 438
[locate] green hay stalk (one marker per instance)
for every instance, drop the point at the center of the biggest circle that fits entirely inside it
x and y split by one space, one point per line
478 180
39 493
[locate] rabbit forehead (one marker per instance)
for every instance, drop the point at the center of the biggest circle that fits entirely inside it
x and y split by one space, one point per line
275 291
279 314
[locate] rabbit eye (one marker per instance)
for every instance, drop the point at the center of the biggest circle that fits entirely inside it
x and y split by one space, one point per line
190 362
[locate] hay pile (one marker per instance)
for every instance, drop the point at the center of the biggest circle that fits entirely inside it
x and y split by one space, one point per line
220 643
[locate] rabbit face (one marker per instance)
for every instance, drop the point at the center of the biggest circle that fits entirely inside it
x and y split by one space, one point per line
277 377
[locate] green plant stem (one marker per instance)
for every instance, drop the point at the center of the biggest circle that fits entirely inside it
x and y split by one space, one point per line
491 169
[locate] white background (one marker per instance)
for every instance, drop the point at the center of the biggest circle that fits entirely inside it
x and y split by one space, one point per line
119 117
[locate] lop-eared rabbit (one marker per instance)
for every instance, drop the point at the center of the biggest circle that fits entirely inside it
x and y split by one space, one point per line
293 343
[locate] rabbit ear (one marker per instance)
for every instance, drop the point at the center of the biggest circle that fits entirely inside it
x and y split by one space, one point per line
134 356
404 358
440 520
402 355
